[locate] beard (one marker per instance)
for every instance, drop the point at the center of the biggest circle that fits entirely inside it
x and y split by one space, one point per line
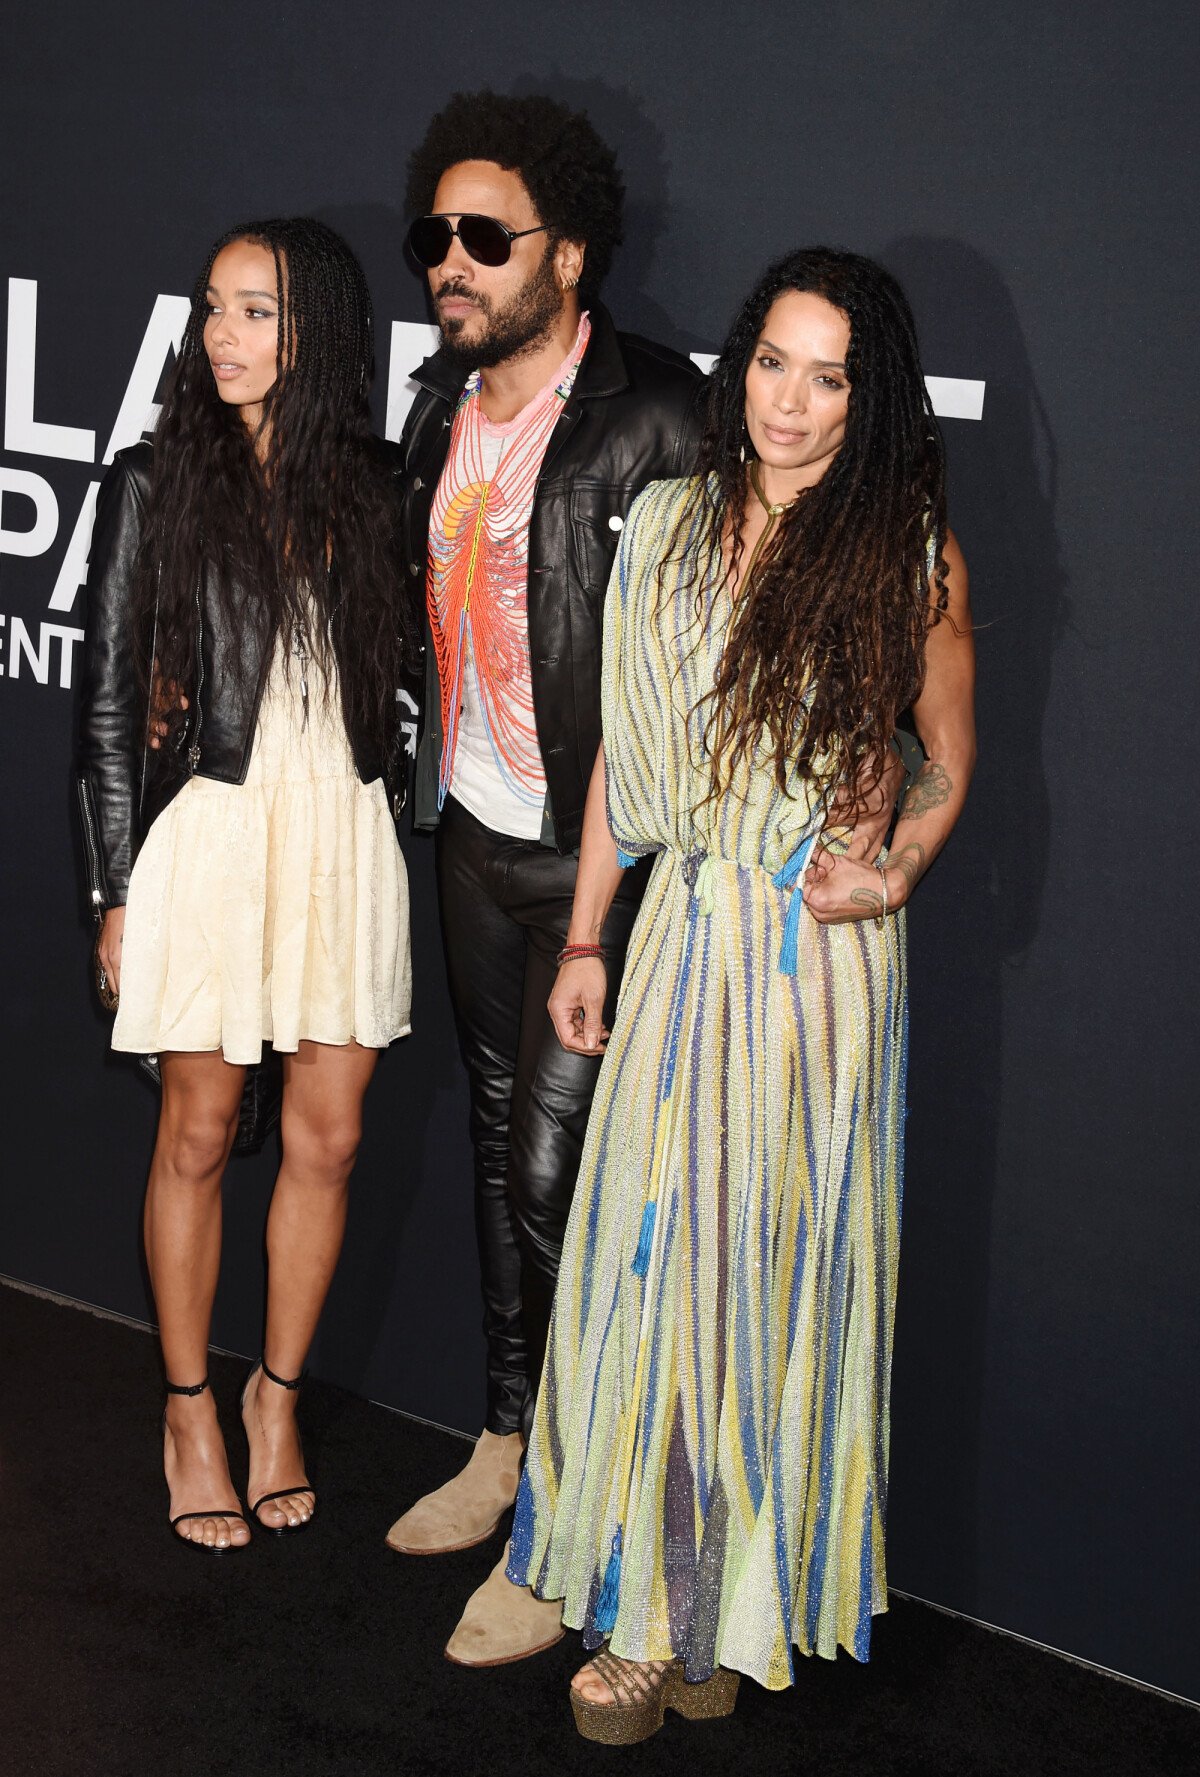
513 331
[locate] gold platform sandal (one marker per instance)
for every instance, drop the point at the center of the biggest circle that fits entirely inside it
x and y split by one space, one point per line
643 1691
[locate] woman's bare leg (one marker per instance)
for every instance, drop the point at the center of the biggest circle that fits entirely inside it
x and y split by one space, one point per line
321 1125
201 1095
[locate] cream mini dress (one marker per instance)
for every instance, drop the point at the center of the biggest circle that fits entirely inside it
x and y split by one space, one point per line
276 910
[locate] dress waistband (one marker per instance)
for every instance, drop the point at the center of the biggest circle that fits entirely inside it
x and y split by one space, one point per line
697 868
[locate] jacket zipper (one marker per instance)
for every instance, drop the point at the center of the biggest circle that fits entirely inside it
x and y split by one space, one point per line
92 845
193 753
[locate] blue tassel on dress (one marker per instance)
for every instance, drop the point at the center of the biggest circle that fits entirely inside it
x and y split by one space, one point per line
789 953
789 878
626 859
641 1258
610 1591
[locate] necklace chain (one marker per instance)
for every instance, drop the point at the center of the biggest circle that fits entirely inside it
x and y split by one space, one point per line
772 511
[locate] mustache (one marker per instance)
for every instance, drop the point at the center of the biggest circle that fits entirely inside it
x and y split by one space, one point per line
460 293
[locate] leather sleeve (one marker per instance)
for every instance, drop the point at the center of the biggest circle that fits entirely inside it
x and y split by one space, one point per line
424 443
692 429
110 748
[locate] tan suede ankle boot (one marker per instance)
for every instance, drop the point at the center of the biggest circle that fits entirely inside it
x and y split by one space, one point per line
467 1509
503 1622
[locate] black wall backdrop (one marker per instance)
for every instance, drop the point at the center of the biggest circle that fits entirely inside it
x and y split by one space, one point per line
1023 169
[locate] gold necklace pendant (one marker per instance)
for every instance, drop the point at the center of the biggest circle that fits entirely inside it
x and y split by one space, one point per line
771 511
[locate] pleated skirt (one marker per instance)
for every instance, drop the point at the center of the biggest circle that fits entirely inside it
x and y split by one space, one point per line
272 911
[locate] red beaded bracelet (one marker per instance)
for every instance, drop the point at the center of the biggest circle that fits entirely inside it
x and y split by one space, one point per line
573 952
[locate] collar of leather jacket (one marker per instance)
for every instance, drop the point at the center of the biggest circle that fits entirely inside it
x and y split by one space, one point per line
601 373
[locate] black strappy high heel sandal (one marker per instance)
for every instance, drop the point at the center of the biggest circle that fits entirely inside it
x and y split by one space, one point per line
280 1492
220 1512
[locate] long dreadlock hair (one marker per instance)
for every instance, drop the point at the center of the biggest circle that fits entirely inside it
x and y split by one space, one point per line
827 643
269 530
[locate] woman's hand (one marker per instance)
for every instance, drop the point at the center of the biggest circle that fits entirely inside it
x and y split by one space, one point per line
576 1006
112 934
840 889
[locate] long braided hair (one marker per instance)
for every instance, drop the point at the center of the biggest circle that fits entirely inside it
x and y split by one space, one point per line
826 647
269 530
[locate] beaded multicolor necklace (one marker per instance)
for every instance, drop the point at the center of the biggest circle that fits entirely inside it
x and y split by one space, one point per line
478 569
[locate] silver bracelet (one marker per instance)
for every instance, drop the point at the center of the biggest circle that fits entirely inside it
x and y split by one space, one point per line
882 914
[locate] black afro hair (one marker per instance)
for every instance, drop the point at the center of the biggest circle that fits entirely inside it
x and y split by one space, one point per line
570 174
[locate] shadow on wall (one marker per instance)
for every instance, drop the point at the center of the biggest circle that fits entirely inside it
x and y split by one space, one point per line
621 120
978 911
377 233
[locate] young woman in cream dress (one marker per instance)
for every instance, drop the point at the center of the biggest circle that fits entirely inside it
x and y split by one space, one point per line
245 639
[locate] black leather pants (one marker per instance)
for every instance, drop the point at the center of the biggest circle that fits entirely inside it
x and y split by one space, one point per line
505 905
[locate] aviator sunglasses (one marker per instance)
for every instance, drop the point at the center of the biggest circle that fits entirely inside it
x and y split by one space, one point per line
487 241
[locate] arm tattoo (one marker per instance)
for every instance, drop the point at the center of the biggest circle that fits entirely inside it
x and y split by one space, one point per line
910 861
869 899
930 789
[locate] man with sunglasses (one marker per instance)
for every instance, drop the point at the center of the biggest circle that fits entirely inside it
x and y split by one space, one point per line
536 427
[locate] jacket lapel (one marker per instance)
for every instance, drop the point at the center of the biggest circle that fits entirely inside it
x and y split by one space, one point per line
601 373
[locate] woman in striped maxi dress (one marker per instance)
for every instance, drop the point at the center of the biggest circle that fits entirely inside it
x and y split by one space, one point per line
706 1480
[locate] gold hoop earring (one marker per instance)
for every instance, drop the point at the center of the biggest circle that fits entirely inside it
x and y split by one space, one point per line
568 284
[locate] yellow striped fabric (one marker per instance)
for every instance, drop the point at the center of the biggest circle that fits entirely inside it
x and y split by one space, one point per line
721 1421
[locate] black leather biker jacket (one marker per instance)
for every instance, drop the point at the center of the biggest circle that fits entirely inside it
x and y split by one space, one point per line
122 784
632 417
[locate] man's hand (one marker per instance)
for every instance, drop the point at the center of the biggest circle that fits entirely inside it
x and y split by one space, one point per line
576 1006
108 949
868 808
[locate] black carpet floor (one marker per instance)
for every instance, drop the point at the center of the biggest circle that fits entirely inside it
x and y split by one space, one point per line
321 1656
